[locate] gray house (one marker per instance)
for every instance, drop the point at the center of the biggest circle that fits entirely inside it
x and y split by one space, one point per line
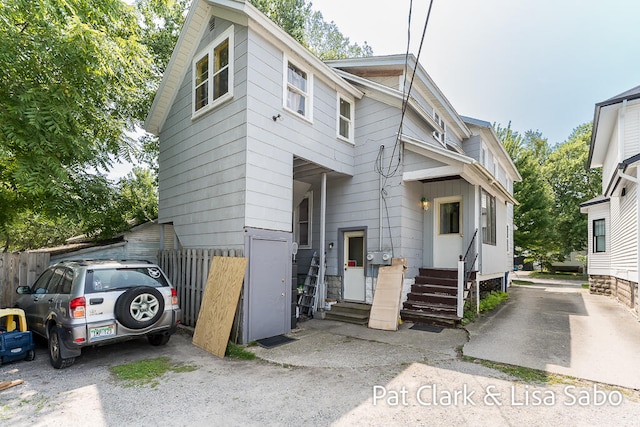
263 145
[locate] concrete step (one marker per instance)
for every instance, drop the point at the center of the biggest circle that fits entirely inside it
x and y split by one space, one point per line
349 312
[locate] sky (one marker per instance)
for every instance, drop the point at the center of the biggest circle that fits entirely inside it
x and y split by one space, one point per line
541 64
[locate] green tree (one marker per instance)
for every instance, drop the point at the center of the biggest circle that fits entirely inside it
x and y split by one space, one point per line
572 183
308 27
532 216
75 80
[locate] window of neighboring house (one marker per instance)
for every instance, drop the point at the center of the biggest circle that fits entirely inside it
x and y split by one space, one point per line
599 234
440 136
297 94
488 218
213 74
345 118
304 216
450 218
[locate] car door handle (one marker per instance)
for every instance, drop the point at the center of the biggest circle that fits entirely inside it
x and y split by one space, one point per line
95 301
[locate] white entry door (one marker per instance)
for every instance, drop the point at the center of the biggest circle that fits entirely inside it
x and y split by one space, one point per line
447 245
354 283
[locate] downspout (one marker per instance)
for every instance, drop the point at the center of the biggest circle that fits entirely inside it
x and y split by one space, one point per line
322 291
635 180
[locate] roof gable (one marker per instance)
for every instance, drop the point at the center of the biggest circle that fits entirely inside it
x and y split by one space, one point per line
239 12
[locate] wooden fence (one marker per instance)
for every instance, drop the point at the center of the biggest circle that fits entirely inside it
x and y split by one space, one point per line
19 269
188 270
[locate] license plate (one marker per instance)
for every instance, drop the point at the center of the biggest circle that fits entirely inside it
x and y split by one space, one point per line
103 331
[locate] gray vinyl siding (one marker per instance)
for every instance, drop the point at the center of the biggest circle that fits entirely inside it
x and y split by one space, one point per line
472 147
202 161
412 245
415 127
414 162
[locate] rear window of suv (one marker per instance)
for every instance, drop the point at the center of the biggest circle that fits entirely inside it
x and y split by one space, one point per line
101 280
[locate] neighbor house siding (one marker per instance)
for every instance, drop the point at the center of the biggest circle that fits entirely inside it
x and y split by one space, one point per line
202 172
632 130
624 235
599 262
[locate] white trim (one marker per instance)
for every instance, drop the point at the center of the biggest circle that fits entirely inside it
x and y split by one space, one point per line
227 35
286 86
351 119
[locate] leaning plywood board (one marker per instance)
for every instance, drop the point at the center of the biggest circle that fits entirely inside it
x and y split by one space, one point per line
219 302
386 300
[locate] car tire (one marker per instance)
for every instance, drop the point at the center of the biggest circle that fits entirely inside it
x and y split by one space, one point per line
57 361
158 339
140 307
30 355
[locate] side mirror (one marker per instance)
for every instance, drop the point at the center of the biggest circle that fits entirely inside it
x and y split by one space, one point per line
24 290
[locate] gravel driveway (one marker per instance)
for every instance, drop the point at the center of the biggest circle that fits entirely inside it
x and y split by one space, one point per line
403 379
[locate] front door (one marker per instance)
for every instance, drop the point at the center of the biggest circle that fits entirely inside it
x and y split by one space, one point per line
447 245
354 283
270 289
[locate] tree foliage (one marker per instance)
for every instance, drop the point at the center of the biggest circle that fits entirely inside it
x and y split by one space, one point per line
309 28
555 181
74 81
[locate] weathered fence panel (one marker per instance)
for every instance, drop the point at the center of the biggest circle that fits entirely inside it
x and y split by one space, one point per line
19 269
188 270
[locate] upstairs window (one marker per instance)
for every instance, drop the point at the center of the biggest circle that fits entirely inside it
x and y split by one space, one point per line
599 235
439 136
297 95
488 219
345 118
213 74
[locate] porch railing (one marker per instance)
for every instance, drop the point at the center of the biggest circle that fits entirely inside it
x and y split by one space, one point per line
465 267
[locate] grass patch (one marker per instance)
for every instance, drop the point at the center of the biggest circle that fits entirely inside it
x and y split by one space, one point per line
585 286
147 371
522 282
558 275
488 303
235 351
527 375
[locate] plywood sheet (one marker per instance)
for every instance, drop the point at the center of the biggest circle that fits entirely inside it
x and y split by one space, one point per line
386 300
219 302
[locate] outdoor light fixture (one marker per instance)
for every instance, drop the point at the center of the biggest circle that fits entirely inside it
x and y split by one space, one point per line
331 245
424 203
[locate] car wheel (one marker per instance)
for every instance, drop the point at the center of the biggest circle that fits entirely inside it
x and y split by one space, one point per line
158 339
30 355
57 361
139 307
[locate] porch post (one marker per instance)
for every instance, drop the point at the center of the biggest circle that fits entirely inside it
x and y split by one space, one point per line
322 288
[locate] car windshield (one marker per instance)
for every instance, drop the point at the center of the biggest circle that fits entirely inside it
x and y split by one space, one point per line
101 280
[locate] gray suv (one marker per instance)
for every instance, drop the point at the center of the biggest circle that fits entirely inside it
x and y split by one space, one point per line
75 304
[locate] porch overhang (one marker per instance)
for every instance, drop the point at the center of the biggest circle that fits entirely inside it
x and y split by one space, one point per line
455 166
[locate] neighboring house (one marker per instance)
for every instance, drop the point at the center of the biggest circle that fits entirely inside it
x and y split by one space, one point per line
614 253
141 242
262 145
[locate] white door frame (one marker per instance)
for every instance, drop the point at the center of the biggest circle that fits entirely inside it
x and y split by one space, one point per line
447 248
353 277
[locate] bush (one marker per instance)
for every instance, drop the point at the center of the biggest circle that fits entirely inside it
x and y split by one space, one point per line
487 303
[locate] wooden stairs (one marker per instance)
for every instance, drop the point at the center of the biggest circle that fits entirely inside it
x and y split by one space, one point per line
349 312
434 297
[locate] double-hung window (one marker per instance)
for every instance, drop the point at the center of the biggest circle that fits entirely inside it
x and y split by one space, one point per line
345 118
213 74
488 218
303 221
298 90
599 235
439 136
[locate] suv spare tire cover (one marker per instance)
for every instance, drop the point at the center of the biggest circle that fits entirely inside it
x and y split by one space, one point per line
139 307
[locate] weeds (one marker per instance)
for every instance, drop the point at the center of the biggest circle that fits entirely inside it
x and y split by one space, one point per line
147 371
235 351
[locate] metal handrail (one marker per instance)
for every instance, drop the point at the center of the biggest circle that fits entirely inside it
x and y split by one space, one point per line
464 273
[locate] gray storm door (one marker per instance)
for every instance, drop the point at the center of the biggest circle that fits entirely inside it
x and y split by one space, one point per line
269 288
354 281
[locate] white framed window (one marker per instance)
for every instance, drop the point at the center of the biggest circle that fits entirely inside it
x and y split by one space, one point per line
304 222
439 136
483 157
488 218
599 236
298 90
213 74
345 109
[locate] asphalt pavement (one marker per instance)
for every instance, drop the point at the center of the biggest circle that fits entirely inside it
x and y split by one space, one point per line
560 327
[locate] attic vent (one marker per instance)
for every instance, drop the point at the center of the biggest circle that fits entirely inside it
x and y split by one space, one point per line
212 23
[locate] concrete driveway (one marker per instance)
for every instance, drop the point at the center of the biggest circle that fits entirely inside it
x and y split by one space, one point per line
561 328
